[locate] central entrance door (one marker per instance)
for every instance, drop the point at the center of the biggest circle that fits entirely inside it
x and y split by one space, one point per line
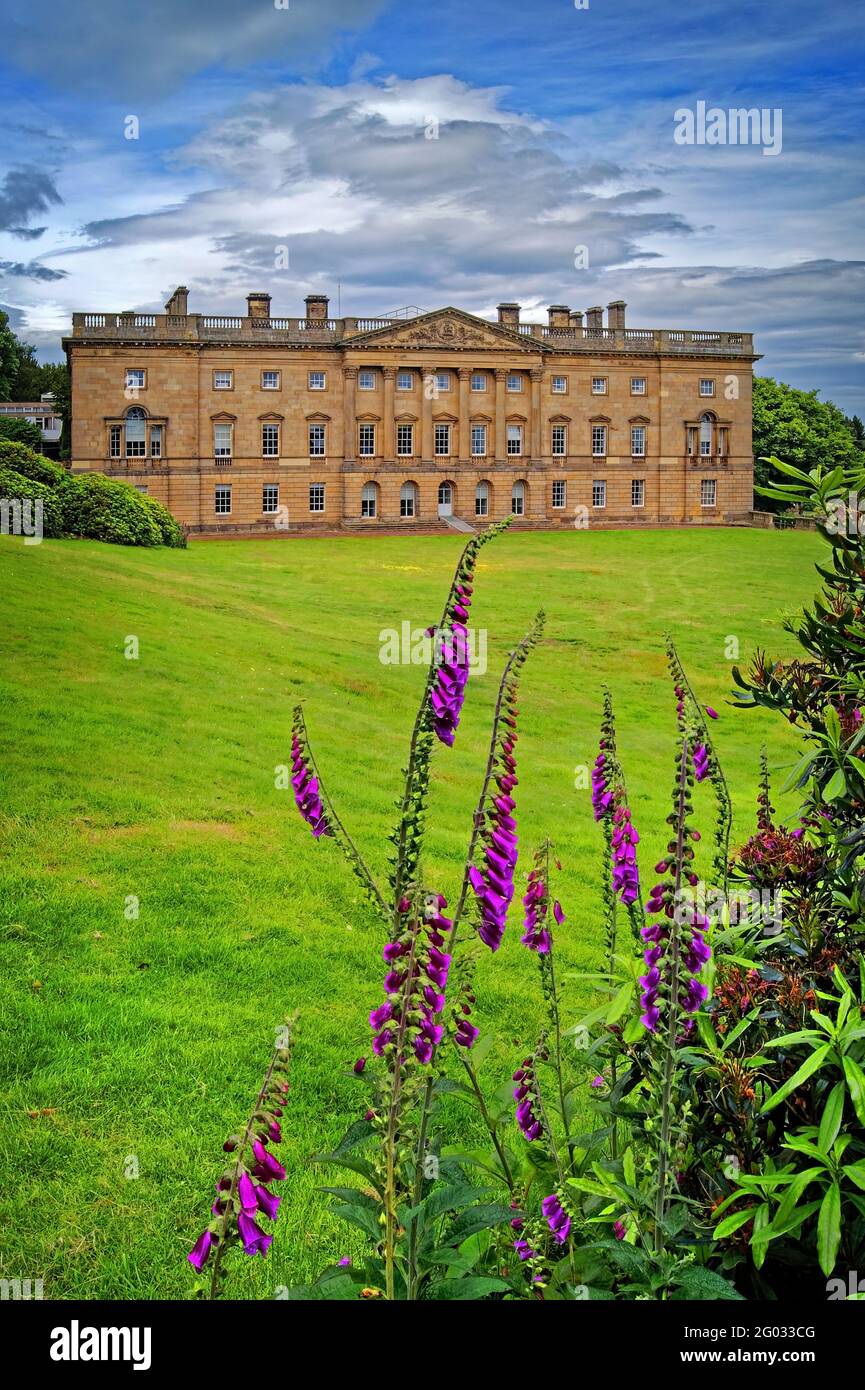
446 499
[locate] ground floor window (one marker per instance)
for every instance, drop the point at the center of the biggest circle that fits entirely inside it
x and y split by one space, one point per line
518 499
708 492
270 497
560 492
369 500
316 497
599 492
222 501
482 499
408 499
638 492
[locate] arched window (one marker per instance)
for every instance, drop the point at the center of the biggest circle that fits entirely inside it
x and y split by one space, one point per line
369 500
408 499
446 499
136 445
707 423
482 499
518 499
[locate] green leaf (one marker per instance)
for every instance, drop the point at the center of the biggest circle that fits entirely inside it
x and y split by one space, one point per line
836 787
732 1223
620 1004
473 1286
856 1173
354 1165
833 1113
698 1283
855 1085
479 1218
829 1229
808 1067
359 1216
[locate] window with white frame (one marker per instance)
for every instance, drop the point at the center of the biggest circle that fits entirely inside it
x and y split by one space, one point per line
515 439
408 499
599 440
270 498
222 500
405 381
223 380
479 441
317 381
708 492
404 441
316 441
443 381
156 441
560 492
366 380
222 441
482 499
638 386
723 441
706 431
270 441
369 499
442 441
136 378
599 385
514 382
638 492
559 385
707 386
316 497
599 492
114 435
692 440
518 499
366 441
638 441
141 487
479 381
136 446
560 441
270 381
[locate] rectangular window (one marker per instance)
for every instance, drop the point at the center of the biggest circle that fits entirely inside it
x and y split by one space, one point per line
366 441
514 382
723 446
223 381
442 441
270 441
560 441
270 381
317 381
707 386
638 492
599 492
405 381
316 441
270 497
316 497
515 439
136 379
366 380
443 381
222 442
560 492
136 445
479 381
479 441
559 385
141 487
599 385
692 439
222 500
156 441
599 441
708 492
638 441
114 442
404 441
368 500
638 386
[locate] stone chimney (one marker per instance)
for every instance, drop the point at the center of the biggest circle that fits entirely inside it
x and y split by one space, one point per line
559 315
576 318
616 314
509 315
258 306
178 302
595 317
316 306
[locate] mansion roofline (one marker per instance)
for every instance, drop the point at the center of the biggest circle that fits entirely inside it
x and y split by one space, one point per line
567 330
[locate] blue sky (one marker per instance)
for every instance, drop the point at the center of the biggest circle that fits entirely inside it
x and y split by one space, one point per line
305 126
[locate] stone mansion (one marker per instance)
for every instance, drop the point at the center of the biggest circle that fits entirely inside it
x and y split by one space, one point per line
249 424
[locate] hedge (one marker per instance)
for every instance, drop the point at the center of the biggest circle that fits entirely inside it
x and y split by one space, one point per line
15 454
14 487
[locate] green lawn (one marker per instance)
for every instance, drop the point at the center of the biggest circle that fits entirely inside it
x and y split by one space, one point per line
146 1038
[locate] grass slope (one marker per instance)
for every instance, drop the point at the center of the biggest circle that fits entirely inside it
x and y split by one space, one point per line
135 1044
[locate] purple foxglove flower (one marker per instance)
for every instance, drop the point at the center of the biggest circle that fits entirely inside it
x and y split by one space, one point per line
712 713
255 1241
306 791
197 1256
246 1193
359 1066
557 1218
267 1166
268 1202
626 879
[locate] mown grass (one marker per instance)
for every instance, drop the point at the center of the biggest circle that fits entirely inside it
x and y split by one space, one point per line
137 1044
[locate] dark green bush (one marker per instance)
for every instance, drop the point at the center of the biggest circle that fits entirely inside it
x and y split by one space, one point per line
22 431
170 529
13 487
17 455
105 510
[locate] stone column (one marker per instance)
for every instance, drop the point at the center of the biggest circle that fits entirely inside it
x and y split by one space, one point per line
535 414
426 429
349 414
389 374
465 374
500 452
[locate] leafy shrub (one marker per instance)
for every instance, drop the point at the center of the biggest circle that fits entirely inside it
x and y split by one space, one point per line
23 431
170 529
14 486
18 455
105 510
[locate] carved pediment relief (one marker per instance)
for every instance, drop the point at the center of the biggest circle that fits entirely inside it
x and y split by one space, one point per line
224 416
313 415
481 419
639 420
560 419
272 415
405 418
599 419
368 417
443 418
446 328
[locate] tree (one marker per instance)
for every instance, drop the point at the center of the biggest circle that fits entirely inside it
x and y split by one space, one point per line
800 429
9 357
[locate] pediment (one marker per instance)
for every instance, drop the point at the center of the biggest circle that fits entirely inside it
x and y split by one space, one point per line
314 415
448 328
